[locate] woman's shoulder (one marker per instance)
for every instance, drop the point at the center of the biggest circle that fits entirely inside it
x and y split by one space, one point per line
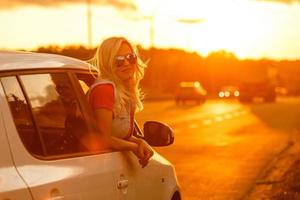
100 82
102 86
103 81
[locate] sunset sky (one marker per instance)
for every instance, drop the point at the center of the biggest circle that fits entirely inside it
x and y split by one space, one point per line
248 28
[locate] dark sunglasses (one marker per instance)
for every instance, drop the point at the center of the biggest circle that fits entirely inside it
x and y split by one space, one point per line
130 57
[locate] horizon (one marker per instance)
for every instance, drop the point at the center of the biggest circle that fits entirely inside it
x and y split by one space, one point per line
60 48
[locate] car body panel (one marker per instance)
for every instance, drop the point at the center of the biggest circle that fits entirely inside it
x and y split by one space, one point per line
12 185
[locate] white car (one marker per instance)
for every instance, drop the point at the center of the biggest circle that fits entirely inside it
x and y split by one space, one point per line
46 149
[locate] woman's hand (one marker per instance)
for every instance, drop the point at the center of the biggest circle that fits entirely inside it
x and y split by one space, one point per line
144 152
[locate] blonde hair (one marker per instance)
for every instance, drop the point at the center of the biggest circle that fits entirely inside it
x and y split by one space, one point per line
104 61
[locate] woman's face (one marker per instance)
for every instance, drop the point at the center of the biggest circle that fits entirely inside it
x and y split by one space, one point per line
125 63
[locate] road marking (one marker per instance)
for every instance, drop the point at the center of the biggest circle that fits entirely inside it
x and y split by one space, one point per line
193 126
207 121
236 114
219 118
228 116
222 144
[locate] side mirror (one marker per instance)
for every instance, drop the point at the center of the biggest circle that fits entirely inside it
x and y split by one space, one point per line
158 134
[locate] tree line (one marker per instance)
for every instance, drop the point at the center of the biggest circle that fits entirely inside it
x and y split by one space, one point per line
166 68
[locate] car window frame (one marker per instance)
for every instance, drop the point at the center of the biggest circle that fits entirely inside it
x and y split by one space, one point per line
36 128
81 102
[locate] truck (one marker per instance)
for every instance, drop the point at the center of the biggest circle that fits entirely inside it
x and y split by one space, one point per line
257 79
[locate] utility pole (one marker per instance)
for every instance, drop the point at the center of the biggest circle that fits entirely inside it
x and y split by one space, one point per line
89 23
152 31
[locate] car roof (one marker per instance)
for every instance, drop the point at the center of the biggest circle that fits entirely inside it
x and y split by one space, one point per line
22 60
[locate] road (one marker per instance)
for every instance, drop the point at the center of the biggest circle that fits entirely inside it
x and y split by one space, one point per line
222 148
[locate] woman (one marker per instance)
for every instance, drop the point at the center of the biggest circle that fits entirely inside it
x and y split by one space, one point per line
115 96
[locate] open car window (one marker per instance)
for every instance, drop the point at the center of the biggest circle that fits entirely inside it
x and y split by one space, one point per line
48 115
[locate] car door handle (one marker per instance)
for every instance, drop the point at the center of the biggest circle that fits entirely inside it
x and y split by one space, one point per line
56 195
122 184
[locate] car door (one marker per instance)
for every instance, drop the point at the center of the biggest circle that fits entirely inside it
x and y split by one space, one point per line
139 183
12 186
49 146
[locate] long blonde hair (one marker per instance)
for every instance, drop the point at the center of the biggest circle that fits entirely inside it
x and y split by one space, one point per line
104 61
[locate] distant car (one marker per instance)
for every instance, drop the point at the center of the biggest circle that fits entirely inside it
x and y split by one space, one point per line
46 134
190 91
229 92
264 90
281 91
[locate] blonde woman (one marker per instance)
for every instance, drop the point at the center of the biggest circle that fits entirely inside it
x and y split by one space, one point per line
115 96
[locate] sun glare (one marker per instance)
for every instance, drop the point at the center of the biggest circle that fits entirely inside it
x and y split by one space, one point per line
247 28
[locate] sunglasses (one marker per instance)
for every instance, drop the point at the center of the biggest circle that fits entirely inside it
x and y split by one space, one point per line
62 88
130 57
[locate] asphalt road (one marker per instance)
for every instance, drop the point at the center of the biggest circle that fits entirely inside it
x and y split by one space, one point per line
222 148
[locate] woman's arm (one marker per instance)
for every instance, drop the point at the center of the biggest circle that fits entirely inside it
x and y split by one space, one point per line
138 146
104 123
135 139
144 152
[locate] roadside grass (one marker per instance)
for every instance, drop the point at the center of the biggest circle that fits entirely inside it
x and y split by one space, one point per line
283 180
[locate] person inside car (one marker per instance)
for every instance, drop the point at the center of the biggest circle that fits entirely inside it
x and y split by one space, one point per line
75 127
115 96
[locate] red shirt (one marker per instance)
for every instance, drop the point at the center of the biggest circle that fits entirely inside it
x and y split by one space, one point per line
102 96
